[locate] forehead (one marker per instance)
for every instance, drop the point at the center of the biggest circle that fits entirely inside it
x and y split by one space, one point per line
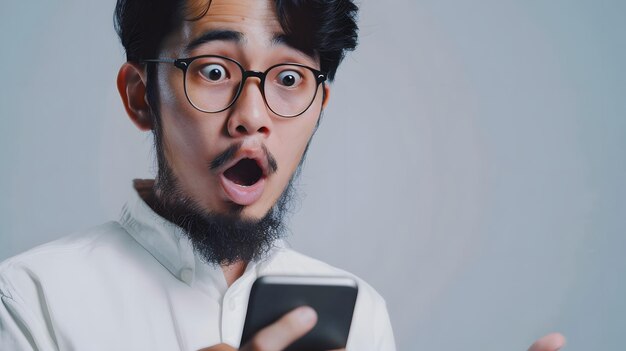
254 20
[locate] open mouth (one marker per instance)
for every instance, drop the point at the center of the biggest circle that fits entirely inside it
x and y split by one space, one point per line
246 172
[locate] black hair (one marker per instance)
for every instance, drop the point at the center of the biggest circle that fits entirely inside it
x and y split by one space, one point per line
324 28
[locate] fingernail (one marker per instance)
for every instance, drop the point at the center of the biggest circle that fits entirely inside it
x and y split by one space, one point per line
306 314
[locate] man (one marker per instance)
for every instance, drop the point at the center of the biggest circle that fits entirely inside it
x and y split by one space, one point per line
233 91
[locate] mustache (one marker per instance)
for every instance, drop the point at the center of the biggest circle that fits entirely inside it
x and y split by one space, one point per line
231 151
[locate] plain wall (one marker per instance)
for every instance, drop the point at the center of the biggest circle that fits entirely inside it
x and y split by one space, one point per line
471 165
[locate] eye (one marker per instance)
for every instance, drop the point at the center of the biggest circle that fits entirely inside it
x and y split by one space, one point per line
289 78
214 72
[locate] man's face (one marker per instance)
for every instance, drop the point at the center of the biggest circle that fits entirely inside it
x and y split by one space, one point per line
192 139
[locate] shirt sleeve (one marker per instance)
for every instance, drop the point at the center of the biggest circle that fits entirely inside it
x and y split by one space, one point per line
20 329
371 326
384 333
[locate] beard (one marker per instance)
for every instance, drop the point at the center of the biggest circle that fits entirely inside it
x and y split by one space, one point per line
219 238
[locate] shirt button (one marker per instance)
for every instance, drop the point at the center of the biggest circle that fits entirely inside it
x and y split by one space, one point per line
186 275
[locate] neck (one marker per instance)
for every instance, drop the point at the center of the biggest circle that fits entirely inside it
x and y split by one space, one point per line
234 271
146 190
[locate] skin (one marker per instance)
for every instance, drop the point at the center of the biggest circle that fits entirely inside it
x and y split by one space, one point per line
192 138
553 341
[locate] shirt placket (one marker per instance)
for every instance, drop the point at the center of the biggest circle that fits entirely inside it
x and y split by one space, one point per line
234 305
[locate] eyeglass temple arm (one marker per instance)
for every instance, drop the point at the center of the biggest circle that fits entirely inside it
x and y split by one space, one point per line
162 60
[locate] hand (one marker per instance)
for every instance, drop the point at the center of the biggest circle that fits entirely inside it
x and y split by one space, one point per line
550 342
279 335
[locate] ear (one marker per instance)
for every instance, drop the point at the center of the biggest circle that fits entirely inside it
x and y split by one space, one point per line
131 84
326 95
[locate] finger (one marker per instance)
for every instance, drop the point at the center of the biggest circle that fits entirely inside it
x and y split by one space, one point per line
550 342
285 331
220 347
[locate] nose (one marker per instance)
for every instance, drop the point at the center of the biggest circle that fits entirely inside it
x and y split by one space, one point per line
249 115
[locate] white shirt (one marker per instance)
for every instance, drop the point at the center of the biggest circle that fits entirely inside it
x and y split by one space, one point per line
136 284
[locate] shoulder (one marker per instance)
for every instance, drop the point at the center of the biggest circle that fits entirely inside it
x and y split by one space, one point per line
79 243
61 257
41 288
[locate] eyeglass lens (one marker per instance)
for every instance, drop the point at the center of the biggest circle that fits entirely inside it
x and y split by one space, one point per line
213 83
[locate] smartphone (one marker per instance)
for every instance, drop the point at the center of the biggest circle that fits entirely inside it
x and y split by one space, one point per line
333 298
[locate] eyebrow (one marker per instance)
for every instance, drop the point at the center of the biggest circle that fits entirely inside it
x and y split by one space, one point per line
281 39
215 35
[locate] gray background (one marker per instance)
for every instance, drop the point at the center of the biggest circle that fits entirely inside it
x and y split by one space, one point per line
470 166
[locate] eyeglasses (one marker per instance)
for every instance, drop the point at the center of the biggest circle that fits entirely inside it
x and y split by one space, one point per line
213 83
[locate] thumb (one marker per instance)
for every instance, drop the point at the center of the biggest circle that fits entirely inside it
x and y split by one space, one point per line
285 331
550 342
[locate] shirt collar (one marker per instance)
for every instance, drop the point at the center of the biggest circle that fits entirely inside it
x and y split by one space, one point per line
169 245
161 238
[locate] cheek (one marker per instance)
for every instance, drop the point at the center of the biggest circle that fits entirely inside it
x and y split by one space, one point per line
294 139
189 135
299 134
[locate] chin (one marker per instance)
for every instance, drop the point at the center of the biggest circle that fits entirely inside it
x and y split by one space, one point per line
253 212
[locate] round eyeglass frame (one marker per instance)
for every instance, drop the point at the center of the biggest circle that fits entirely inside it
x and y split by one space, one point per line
184 63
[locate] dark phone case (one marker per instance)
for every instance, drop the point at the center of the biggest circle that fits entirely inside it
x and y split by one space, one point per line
334 306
